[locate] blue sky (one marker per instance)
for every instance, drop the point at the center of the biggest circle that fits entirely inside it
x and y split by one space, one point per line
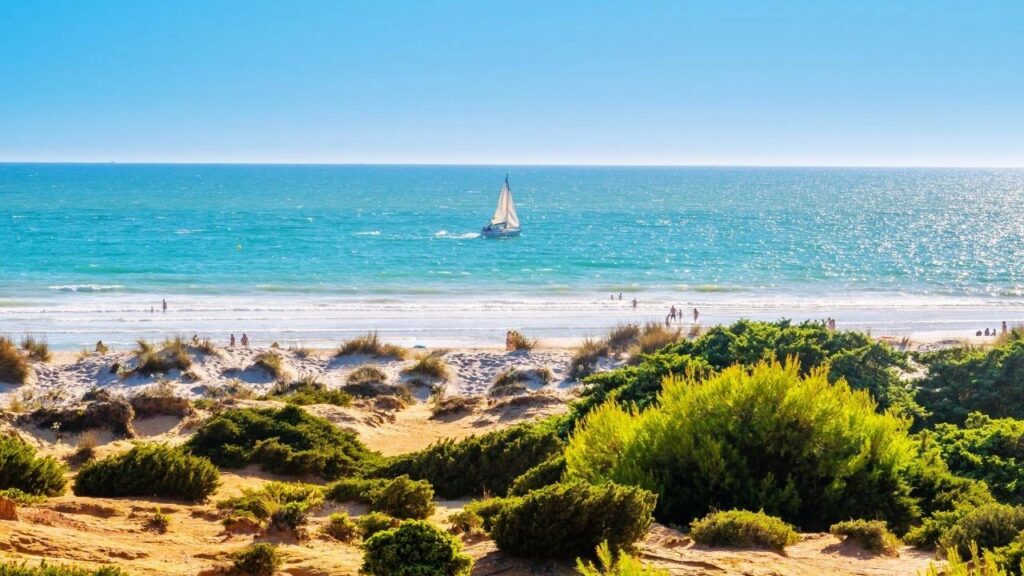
679 82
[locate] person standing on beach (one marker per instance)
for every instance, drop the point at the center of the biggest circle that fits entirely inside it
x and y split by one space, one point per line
245 340
672 312
696 315
165 305
232 342
620 295
634 303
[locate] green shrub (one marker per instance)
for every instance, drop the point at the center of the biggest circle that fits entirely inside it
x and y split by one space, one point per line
986 564
149 470
989 526
415 548
986 449
569 520
306 391
44 569
428 366
612 564
399 497
489 509
465 522
800 448
871 535
37 348
742 528
964 380
544 474
373 522
371 345
288 501
853 356
340 527
285 441
21 497
478 464
14 367
22 470
256 560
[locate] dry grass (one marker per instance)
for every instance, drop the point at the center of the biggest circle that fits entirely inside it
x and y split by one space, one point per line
37 348
371 345
447 405
272 363
652 338
85 447
301 351
621 337
173 355
585 357
518 342
14 368
1014 334
206 346
511 381
428 366
366 374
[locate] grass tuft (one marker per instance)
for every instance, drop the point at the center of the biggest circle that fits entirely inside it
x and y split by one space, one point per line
653 337
366 374
428 366
371 345
272 364
517 342
308 390
585 357
37 348
14 367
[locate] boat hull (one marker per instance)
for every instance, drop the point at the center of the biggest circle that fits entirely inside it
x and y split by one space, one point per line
499 232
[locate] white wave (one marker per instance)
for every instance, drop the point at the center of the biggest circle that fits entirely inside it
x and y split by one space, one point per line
449 235
186 231
368 233
87 287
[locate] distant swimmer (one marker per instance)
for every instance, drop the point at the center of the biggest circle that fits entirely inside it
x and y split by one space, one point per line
620 295
634 303
232 342
165 305
696 315
672 312
245 340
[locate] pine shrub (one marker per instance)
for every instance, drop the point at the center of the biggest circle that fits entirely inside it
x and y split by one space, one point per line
21 469
544 474
256 560
149 470
284 441
400 497
416 548
569 520
871 535
478 464
985 449
741 528
801 448
374 522
340 527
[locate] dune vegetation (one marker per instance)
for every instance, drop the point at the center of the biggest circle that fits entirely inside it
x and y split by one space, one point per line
14 367
742 528
371 345
149 470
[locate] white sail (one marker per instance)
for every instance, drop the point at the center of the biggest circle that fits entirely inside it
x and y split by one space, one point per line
505 213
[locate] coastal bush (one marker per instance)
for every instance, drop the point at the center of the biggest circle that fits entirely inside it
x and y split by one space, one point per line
306 391
980 564
371 345
744 529
852 356
373 522
465 522
611 563
21 497
340 527
285 441
149 470
415 548
36 348
544 474
479 464
259 559
428 366
801 448
585 357
14 368
366 374
276 498
964 380
986 449
44 569
400 497
571 519
871 535
990 526
21 469
489 509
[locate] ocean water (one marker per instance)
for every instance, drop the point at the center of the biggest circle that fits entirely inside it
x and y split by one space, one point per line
316 253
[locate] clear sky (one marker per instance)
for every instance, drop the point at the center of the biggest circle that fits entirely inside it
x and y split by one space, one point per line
815 82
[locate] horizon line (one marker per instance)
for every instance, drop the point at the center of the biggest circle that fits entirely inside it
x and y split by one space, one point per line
513 164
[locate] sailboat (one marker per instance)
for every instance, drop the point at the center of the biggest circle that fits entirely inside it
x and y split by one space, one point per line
505 222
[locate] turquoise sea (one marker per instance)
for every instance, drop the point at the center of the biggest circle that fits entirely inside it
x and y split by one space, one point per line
316 252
